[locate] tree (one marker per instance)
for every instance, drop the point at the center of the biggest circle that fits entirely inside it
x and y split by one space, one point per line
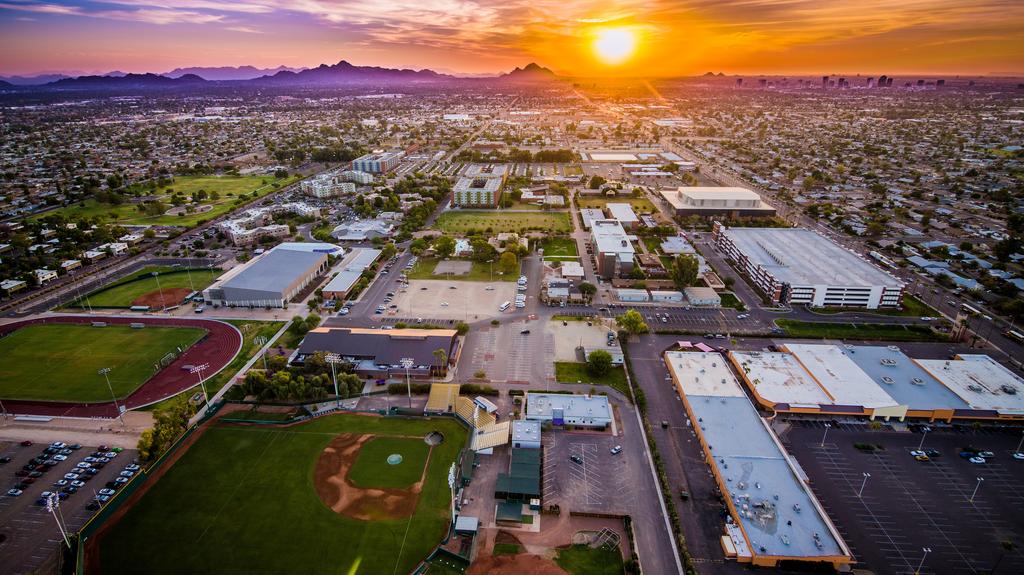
388 251
596 182
417 246
588 290
509 262
684 270
632 322
442 358
444 247
599 363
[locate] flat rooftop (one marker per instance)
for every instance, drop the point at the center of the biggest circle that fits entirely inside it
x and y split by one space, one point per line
779 378
777 512
542 404
801 257
903 379
980 381
383 347
622 212
275 270
839 376
610 237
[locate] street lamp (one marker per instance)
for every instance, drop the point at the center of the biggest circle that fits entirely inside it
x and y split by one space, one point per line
924 433
976 486
926 550
333 358
198 370
828 426
1021 443
862 484
104 373
408 362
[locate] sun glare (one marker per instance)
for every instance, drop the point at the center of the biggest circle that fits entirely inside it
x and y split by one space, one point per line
614 45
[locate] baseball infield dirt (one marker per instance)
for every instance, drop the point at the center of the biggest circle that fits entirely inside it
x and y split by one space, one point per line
162 299
332 485
514 565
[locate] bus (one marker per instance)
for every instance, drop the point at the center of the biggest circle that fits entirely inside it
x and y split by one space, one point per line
1014 335
970 309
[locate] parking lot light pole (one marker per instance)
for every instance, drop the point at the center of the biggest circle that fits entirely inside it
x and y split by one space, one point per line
926 550
1020 443
828 426
976 486
104 373
860 493
924 433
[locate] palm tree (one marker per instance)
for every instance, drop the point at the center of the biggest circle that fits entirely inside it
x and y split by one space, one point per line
442 358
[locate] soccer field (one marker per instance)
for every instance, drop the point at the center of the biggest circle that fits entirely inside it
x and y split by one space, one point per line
243 500
59 362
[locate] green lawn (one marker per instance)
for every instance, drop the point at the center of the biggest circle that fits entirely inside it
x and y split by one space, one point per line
912 307
60 362
123 293
372 469
242 501
584 560
506 549
653 244
572 372
730 300
480 272
461 221
229 188
559 247
858 331
640 205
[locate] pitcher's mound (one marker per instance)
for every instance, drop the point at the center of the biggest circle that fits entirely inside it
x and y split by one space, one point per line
330 479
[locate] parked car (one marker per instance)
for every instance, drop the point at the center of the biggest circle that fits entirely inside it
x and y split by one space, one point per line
986 454
60 457
14 492
107 491
576 459
1018 455
616 450
977 460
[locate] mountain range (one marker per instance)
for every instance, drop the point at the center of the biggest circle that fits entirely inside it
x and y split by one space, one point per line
341 74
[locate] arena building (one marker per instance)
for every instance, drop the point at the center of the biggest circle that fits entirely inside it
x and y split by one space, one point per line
268 280
709 201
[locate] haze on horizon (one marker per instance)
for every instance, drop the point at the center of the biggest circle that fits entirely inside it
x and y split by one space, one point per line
666 37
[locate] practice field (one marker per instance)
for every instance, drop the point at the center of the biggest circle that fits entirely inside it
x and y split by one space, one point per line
502 221
371 468
244 499
59 362
173 283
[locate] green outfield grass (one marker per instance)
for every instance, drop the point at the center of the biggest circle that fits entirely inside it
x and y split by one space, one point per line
59 362
124 292
500 221
242 501
371 468
229 188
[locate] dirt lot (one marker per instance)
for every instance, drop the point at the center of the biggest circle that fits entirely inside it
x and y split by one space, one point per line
338 493
568 337
469 300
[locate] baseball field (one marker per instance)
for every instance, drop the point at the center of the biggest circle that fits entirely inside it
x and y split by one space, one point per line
318 497
143 288
59 362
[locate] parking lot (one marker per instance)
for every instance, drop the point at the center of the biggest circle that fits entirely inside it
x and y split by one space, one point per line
711 320
600 482
903 506
469 301
29 536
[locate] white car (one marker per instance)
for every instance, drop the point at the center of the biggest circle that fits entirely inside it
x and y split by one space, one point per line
110 454
59 457
616 450
1018 455
107 491
977 460
14 492
58 445
917 453
71 476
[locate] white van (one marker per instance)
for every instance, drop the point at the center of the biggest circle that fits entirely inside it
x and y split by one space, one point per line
504 306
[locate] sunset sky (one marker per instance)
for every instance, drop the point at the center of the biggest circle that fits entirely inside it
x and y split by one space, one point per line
671 37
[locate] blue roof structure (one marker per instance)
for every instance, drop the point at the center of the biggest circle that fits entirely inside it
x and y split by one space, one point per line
903 379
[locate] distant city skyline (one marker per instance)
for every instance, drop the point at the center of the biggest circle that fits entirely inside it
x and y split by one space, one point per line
655 37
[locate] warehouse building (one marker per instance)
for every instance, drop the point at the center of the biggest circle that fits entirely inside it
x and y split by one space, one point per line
775 516
563 409
796 266
708 201
380 354
352 268
268 280
612 248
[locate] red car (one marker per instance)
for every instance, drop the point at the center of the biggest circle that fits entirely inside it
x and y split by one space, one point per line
26 443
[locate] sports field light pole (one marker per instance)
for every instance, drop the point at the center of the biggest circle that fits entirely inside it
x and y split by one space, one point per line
926 550
408 362
828 426
976 486
160 289
924 433
860 493
52 502
198 370
104 373
333 358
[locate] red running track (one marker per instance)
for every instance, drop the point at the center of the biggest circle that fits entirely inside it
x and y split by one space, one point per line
217 348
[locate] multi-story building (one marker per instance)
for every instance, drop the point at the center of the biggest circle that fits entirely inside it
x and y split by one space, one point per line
378 162
612 248
797 266
253 225
476 193
327 185
355 176
716 201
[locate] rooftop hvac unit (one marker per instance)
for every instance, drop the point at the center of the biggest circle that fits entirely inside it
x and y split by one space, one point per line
917 381
893 348
974 387
887 379
1009 389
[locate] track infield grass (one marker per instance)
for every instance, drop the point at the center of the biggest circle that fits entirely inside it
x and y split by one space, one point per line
371 468
242 500
59 362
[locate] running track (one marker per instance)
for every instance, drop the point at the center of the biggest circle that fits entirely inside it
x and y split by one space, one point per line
220 345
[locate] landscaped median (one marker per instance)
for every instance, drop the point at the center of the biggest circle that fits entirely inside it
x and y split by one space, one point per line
574 372
859 331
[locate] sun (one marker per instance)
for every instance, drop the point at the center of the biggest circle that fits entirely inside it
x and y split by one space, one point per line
614 45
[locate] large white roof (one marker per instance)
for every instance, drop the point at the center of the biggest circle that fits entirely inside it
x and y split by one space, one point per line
840 377
779 378
702 373
980 381
610 237
718 192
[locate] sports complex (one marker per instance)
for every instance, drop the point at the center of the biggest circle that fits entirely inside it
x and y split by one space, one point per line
52 366
361 493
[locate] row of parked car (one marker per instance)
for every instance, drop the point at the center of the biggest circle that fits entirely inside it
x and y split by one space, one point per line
75 479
